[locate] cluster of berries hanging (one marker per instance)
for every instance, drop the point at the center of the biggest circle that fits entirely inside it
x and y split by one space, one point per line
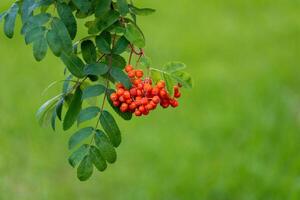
143 97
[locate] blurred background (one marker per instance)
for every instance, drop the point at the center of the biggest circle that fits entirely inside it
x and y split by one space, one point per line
236 134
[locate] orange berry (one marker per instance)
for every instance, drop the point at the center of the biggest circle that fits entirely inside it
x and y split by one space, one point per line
133 92
138 113
120 91
126 94
142 109
128 101
128 68
147 87
174 103
131 74
144 101
139 73
137 81
124 107
177 95
140 86
161 84
149 106
155 91
156 99
163 93
132 106
139 92
114 97
122 99
119 85
116 103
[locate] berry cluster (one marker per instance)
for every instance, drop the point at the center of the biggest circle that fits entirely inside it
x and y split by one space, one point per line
142 97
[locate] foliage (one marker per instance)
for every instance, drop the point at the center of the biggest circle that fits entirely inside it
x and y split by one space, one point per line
97 60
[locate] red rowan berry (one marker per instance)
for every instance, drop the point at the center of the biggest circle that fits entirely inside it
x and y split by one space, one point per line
139 73
131 74
120 91
122 99
138 113
128 68
116 103
142 109
165 103
133 91
128 101
153 104
149 106
114 97
156 99
132 106
137 81
119 85
144 101
124 107
147 87
161 84
139 92
155 91
163 93
126 94
174 103
140 86
177 95
146 112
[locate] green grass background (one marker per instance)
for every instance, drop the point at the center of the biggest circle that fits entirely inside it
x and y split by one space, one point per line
236 135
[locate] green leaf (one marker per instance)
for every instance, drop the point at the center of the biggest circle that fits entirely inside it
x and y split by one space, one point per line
35 34
35 21
102 44
40 3
172 73
65 13
62 36
79 136
88 51
87 114
25 11
134 35
120 76
74 110
85 169
44 113
97 158
77 156
59 107
93 91
96 69
111 128
183 78
126 115
123 7
117 61
40 48
102 7
120 46
10 20
107 20
141 11
174 66
53 120
74 64
54 42
169 83
82 5
105 147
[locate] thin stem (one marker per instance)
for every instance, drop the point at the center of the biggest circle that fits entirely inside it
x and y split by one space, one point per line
130 57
